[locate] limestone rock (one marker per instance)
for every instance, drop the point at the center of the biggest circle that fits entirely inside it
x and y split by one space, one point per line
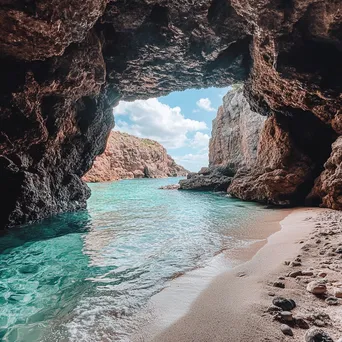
127 156
235 133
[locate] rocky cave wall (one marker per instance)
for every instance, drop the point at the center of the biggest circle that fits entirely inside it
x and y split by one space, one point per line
66 63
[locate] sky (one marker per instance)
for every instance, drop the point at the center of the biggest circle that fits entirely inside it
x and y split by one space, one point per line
180 121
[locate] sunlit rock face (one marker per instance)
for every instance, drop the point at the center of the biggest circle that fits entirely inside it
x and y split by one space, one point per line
236 133
127 157
289 158
65 64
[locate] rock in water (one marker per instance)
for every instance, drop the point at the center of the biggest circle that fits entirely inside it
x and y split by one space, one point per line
127 156
214 180
170 187
317 335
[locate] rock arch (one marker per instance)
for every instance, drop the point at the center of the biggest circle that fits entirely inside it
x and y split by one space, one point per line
66 63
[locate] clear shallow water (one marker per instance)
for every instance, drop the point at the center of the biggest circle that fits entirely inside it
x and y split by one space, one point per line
86 276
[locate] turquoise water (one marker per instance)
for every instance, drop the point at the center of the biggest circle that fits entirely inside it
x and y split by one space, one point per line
86 276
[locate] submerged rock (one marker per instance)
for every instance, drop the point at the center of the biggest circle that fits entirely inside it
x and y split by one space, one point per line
170 187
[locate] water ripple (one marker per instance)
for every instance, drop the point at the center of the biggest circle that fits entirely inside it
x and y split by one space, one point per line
86 276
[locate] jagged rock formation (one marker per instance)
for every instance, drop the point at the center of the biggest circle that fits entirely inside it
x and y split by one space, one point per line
288 160
328 186
127 156
207 179
64 65
233 144
235 134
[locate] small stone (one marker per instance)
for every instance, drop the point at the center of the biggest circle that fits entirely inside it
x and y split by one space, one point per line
307 273
279 284
338 250
285 304
319 323
317 335
281 278
318 241
332 301
286 316
295 264
301 323
286 263
271 294
286 330
295 274
316 287
241 274
338 292
273 309
322 274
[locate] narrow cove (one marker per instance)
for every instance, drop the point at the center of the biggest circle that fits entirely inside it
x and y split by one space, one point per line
89 275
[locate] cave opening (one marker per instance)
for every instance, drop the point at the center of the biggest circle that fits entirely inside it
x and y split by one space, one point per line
313 138
180 121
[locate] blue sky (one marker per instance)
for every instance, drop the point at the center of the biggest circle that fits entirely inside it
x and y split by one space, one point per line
180 121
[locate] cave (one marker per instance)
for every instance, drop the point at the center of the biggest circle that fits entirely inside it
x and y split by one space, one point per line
66 64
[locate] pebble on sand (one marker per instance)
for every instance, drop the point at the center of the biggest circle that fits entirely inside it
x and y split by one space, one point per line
332 301
295 274
285 304
279 284
286 330
338 292
317 287
317 335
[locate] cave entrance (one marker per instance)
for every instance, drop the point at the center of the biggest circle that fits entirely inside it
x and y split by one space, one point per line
180 121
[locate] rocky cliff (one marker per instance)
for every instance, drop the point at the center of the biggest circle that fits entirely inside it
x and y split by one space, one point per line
233 145
267 159
127 156
235 134
66 63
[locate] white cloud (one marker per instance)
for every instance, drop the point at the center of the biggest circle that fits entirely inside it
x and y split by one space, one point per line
155 120
200 140
205 104
193 162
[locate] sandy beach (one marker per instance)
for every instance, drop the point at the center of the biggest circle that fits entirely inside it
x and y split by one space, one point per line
236 305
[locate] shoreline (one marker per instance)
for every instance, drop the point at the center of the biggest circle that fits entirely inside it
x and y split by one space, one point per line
176 299
232 304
